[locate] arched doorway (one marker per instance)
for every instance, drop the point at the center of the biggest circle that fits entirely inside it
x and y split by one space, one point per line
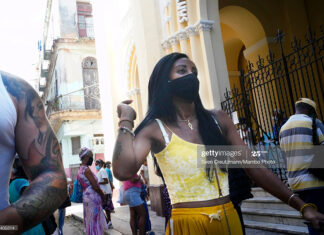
244 41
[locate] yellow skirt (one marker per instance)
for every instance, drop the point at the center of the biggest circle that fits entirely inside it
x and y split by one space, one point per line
205 220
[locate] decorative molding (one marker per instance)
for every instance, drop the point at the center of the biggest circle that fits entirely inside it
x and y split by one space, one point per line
204 25
182 35
166 44
191 31
173 40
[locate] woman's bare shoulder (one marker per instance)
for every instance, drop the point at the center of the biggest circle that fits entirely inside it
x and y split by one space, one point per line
151 130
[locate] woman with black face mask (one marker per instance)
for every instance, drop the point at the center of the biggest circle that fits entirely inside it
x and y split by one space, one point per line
176 130
93 197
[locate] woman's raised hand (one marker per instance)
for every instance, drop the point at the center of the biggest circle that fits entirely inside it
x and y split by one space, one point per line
125 111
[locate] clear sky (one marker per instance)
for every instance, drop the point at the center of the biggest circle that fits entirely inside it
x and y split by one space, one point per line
21 26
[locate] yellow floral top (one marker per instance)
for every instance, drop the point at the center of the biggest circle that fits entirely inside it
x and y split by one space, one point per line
186 182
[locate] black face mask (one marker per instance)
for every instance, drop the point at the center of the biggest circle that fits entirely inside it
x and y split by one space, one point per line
186 87
90 160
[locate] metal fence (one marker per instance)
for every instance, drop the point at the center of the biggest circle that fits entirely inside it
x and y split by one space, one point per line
273 84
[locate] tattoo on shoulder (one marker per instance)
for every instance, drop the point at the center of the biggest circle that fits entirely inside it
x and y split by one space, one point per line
22 92
15 86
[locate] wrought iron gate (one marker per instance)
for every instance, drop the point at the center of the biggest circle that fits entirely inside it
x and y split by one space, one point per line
273 85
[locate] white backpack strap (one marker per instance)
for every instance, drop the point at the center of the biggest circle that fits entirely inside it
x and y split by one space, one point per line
217 124
164 133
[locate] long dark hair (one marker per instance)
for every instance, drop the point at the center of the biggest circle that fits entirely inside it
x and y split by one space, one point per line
160 106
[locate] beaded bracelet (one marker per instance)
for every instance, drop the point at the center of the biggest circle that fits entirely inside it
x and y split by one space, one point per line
126 120
125 129
307 205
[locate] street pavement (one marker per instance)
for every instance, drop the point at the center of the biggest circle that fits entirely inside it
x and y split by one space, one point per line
120 220
72 226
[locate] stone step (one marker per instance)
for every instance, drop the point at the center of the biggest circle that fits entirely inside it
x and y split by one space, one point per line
266 203
276 228
259 192
273 216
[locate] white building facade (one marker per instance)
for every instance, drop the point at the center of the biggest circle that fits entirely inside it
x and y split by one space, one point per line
69 80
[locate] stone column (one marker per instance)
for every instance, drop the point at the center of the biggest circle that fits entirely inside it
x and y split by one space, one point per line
183 39
174 43
204 28
214 57
197 57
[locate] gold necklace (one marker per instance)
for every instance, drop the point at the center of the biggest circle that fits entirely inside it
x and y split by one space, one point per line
188 123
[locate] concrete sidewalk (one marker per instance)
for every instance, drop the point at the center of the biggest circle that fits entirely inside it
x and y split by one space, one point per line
120 219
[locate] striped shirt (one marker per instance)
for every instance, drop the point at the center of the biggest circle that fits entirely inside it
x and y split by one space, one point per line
296 141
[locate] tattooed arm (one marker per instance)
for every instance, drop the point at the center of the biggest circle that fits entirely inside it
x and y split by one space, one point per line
40 155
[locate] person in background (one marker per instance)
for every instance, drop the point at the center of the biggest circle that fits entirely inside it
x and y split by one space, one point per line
62 210
296 137
93 198
70 187
145 177
121 199
16 188
144 173
132 197
111 181
26 131
17 170
109 173
106 189
279 121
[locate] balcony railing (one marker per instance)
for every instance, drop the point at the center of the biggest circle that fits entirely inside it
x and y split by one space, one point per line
86 30
70 102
